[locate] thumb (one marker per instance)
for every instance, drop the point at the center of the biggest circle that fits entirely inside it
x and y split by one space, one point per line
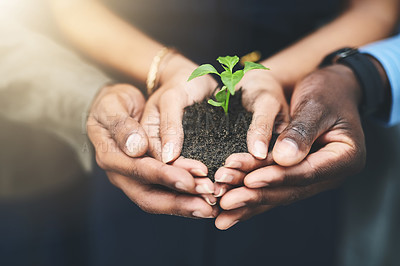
310 119
131 138
266 113
121 122
171 129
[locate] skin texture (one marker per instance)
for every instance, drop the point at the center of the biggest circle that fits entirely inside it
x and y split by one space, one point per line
292 173
154 186
360 23
93 29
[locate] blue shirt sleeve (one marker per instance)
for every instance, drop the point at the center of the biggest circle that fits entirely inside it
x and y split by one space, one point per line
387 52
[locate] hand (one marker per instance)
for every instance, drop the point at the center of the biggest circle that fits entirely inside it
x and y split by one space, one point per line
119 141
162 118
264 97
324 110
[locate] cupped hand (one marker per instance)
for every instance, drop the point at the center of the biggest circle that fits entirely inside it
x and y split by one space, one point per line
162 117
264 97
325 118
121 143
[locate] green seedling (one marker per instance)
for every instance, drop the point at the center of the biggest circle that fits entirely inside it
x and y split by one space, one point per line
229 78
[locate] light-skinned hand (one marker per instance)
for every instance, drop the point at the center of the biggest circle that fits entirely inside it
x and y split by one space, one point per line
121 143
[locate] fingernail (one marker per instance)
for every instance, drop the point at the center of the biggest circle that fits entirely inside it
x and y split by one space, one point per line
204 189
168 152
233 165
198 172
179 185
232 224
260 150
133 142
200 215
220 193
287 148
210 200
225 178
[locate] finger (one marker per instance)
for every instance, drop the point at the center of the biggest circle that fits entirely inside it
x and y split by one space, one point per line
151 124
156 200
203 184
120 116
265 114
309 120
171 130
196 168
243 196
129 136
245 162
146 169
220 189
334 160
210 199
229 176
227 219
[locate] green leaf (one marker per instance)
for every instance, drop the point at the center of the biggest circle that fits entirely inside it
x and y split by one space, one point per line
230 80
203 70
214 103
251 65
229 61
221 95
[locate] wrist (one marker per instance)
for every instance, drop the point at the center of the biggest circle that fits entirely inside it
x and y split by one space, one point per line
257 79
175 64
367 75
348 82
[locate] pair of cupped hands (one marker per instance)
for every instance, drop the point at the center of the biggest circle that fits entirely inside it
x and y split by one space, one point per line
138 143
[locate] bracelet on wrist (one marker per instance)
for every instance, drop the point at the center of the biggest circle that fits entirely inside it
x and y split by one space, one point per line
154 71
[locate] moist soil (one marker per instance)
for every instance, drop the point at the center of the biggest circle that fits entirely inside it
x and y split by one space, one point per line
211 135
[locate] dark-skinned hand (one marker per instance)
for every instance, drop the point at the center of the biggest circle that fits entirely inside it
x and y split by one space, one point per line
324 115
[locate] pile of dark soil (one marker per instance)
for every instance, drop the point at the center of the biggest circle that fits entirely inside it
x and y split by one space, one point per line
211 136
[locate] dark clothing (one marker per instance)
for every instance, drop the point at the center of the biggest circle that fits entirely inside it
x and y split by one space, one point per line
303 233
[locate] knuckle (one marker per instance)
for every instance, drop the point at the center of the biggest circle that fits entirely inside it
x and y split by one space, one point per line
262 197
294 195
108 99
302 132
315 174
180 205
260 126
163 176
133 171
118 125
283 177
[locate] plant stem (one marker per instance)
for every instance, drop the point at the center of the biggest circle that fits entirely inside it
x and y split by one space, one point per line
227 102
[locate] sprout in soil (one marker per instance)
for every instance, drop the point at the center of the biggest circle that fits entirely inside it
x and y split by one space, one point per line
228 78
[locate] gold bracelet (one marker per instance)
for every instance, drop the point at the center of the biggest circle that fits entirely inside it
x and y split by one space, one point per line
152 76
